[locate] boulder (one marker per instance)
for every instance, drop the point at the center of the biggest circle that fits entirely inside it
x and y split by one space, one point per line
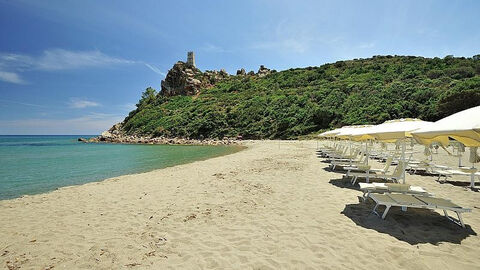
241 72
263 71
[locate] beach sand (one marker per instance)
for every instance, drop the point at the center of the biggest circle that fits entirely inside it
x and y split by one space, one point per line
270 206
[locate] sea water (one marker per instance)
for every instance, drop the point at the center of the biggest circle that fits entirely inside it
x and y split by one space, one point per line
36 164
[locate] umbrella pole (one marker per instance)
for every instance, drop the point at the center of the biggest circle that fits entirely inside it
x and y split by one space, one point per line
351 158
472 177
368 156
403 159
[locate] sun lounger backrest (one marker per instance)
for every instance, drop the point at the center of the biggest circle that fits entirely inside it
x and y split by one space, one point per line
387 164
399 170
393 187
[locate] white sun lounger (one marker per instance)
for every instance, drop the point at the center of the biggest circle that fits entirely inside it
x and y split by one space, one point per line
450 173
359 161
366 168
397 174
369 188
346 158
425 166
416 201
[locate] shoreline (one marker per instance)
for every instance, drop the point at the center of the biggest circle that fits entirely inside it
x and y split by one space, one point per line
269 206
108 137
237 148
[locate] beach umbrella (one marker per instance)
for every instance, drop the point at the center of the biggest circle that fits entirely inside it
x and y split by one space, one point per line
347 132
462 126
359 133
362 134
397 131
329 134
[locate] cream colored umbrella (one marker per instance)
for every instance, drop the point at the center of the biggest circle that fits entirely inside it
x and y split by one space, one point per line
463 126
344 134
397 130
330 134
359 133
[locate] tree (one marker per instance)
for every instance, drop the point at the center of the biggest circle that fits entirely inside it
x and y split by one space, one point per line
148 97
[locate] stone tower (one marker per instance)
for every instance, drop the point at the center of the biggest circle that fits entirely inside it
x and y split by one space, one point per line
191 59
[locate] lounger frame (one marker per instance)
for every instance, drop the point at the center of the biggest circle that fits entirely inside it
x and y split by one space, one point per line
388 205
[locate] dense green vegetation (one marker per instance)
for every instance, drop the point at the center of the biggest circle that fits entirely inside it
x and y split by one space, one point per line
299 101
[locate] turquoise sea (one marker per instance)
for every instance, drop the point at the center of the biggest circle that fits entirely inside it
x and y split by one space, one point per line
36 164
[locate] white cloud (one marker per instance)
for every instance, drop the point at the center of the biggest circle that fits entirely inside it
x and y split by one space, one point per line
10 77
287 36
93 123
208 47
59 59
288 44
22 103
155 69
11 64
128 107
367 45
82 103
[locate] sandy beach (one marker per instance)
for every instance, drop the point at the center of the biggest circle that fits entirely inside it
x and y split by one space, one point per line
270 206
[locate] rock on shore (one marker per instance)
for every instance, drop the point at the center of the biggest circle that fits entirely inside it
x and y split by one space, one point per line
128 139
115 135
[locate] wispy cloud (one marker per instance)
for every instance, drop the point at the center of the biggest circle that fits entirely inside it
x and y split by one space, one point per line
59 59
155 69
128 107
288 44
13 64
93 123
10 77
22 103
366 45
77 103
208 47
286 36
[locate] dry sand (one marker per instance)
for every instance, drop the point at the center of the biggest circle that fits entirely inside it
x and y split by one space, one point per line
271 206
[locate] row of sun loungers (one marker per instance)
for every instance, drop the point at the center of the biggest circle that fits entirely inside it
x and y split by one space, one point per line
392 194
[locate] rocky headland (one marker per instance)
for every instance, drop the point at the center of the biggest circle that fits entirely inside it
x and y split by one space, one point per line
184 78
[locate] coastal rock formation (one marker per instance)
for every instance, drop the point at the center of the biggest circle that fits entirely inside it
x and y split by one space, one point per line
185 79
182 79
108 137
263 71
214 76
241 72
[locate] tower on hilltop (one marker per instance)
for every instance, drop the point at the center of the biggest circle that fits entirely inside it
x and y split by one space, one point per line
191 59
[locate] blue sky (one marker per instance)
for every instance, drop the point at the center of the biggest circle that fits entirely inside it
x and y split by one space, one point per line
77 67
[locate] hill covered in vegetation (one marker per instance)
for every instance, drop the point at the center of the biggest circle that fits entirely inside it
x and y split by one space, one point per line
300 101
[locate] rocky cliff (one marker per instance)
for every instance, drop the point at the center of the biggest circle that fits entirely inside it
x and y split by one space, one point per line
185 79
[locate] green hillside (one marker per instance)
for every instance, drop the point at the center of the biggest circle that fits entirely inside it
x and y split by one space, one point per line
299 101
